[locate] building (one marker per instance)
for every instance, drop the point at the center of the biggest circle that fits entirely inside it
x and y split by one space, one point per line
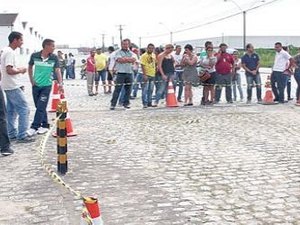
237 41
11 22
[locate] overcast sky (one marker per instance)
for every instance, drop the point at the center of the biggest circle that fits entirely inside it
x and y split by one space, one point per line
81 23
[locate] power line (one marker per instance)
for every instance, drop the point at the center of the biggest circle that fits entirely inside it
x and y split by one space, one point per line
212 21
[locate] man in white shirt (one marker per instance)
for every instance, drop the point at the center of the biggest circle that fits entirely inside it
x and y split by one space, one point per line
111 65
178 71
17 106
283 61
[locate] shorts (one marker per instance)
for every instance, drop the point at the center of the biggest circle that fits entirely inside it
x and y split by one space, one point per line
100 74
211 80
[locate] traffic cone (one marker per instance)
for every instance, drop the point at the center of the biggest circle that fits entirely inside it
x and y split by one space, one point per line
269 98
55 97
70 131
69 127
171 98
91 214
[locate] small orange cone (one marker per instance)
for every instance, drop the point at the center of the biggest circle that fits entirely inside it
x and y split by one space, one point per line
70 131
268 99
69 127
171 97
55 97
91 212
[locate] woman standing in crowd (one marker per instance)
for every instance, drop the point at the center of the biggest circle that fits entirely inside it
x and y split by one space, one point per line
236 79
208 61
190 73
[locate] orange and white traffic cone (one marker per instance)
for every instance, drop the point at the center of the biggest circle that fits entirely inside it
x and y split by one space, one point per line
269 98
171 97
91 214
69 127
55 97
70 131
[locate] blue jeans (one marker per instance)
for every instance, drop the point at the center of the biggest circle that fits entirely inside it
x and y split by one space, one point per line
221 81
163 87
251 79
100 75
278 81
237 84
179 83
123 79
147 90
138 79
297 78
40 98
17 108
4 140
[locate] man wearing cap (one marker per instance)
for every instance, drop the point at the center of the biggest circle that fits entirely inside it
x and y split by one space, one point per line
224 69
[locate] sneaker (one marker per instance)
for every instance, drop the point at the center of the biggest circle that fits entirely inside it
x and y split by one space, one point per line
179 100
248 102
7 152
42 130
145 106
259 101
127 106
12 139
112 107
31 132
26 139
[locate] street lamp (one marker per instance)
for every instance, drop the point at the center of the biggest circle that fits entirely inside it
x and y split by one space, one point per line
171 33
244 12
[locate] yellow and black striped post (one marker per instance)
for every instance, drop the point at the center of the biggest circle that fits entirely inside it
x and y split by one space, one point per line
61 130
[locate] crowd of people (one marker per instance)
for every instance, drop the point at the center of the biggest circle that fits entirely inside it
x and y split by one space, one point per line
152 68
14 115
123 72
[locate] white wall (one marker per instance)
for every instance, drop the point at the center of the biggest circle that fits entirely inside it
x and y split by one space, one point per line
31 42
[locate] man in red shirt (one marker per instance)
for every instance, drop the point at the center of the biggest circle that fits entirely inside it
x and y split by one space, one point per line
224 69
90 72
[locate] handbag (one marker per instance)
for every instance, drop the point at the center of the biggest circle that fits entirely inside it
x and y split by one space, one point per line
204 76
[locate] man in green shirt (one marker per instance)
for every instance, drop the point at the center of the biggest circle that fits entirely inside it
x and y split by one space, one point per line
41 65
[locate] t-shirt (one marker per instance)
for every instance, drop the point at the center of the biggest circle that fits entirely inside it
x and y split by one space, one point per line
100 61
124 67
149 63
112 61
177 59
90 64
224 63
43 68
250 61
209 61
281 60
8 58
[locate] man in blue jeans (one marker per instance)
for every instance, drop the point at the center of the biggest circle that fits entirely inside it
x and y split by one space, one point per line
123 66
148 63
251 64
41 65
17 106
283 61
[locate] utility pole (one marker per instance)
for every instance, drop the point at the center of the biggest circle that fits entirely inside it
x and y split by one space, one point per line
140 42
103 45
121 29
113 41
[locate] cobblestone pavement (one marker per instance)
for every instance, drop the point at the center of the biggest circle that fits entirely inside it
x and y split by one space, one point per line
227 164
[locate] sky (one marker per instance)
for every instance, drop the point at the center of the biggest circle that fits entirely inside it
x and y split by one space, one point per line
82 23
